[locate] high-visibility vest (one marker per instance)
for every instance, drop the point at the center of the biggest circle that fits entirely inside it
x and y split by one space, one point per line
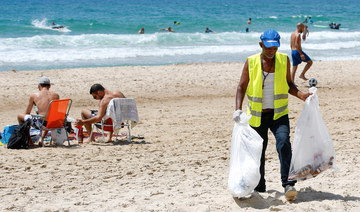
254 90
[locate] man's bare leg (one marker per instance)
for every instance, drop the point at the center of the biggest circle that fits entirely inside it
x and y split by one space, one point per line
42 137
109 137
21 117
306 68
294 68
85 114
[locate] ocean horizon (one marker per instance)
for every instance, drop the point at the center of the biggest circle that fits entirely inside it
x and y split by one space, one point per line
104 33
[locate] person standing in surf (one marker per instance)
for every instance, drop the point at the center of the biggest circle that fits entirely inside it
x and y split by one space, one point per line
297 55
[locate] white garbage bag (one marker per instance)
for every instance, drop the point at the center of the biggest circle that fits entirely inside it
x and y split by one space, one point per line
246 148
59 136
313 150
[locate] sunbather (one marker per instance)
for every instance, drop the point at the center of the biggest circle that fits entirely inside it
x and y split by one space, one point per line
40 100
89 117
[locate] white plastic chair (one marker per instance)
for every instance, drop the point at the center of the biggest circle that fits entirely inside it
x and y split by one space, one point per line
123 112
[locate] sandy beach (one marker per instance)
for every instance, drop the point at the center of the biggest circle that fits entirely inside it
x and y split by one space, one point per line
182 163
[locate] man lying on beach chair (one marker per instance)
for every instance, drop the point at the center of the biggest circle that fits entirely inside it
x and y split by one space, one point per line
89 117
40 100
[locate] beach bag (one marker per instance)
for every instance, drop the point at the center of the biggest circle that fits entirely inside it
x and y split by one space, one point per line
246 148
8 130
313 150
19 139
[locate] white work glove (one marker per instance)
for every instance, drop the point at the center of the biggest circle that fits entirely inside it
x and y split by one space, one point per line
236 116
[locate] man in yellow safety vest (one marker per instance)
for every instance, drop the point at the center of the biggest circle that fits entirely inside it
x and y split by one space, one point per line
266 80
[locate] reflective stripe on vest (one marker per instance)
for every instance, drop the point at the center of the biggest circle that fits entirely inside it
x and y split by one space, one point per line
254 90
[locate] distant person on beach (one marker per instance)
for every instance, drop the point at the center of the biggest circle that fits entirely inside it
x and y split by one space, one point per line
305 21
168 29
297 54
263 75
247 29
305 33
249 21
141 31
89 117
207 30
40 100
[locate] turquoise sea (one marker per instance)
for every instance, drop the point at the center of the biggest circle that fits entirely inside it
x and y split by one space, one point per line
104 32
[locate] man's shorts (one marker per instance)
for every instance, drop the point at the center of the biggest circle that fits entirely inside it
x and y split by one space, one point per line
35 122
296 58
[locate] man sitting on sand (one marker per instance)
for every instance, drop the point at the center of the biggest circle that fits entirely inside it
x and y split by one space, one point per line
90 116
41 100
297 54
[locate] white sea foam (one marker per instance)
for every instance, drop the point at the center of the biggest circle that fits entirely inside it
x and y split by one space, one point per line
45 50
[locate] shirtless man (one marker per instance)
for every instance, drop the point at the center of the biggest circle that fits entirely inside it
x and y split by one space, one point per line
41 100
89 117
297 54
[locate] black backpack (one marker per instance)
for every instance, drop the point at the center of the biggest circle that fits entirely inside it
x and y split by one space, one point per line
19 139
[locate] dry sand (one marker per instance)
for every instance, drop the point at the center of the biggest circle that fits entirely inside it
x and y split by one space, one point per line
182 164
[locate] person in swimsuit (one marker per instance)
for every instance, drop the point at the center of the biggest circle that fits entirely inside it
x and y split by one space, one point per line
305 33
141 31
40 100
297 54
207 30
168 29
249 21
89 117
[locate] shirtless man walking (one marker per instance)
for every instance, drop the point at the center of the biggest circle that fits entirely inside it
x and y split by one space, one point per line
297 54
40 100
89 117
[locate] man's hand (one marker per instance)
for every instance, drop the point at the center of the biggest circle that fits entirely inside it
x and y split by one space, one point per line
304 96
79 122
236 116
302 57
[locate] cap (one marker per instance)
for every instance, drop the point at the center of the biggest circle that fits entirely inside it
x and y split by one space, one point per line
44 80
270 38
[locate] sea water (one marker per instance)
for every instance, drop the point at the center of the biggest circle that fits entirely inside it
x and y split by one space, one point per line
100 33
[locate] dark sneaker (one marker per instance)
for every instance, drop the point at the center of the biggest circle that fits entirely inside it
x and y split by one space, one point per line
290 193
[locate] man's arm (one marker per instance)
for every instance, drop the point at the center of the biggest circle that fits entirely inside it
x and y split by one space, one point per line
293 89
241 89
30 104
101 113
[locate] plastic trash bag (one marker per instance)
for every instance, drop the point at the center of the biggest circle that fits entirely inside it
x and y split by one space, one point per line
246 148
313 150
59 136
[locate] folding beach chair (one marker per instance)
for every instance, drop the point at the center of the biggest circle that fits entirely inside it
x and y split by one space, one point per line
123 113
55 116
